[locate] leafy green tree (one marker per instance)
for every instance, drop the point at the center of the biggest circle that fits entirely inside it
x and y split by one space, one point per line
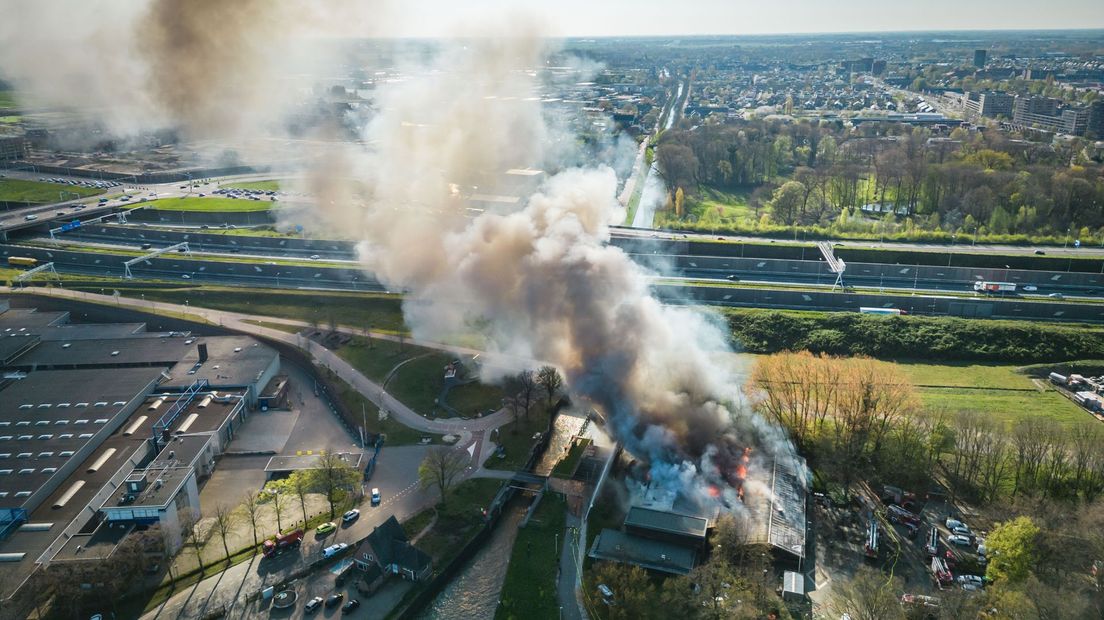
786 201
1011 547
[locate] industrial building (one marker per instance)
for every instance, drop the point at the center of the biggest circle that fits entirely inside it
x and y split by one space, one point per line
107 429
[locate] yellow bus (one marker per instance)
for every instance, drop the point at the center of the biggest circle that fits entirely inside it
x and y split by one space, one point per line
22 261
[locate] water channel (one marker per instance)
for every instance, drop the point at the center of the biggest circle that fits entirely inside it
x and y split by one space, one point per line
474 593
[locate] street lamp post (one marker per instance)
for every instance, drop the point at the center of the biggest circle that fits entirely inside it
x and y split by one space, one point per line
950 253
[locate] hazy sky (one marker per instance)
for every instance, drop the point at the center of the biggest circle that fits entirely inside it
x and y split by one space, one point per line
640 17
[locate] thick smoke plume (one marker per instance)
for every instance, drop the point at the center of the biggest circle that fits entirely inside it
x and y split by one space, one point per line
539 282
211 69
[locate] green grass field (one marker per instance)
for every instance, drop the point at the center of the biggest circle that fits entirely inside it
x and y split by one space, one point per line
378 311
530 587
211 205
10 120
472 398
264 186
15 190
7 99
517 438
996 390
378 360
398 434
715 207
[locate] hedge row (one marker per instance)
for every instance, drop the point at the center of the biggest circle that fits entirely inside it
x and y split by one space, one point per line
913 337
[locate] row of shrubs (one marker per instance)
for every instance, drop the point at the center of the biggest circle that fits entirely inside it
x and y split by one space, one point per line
912 337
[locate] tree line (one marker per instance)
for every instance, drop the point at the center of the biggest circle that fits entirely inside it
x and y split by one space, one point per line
858 414
822 174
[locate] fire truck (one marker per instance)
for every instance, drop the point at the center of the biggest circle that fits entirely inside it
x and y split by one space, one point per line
932 547
870 549
281 543
898 514
941 573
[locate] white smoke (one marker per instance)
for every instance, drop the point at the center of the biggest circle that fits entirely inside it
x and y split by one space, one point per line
540 282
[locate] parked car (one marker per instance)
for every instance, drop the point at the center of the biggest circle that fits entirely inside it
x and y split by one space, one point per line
958 539
964 531
333 550
326 528
350 606
350 516
313 605
376 497
953 523
974 579
335 599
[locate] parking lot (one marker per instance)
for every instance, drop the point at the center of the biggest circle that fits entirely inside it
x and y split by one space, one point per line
841 535
307 425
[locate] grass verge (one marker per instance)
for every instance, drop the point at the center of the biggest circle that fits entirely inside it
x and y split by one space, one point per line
270 185
211 205
37 192
530 587
375 311
458 518
566 467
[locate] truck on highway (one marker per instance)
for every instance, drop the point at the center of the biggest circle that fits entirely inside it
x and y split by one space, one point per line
22 261
892 311
990 288
281 543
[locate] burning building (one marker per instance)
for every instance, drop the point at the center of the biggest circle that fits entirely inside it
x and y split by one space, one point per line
667 528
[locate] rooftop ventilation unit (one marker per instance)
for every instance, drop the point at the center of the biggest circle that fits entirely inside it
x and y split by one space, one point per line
68 495
130 430
188 423
100 461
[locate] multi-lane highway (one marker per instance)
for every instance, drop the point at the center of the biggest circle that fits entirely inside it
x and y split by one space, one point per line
662 258
99 248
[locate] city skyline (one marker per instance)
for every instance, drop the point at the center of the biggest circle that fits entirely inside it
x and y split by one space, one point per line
576 18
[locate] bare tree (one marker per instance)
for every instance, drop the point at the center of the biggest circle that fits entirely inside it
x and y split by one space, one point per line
527 387
189 530
225 520
513 403
869 595
441 468
252 507
550 379
301 484
279 503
